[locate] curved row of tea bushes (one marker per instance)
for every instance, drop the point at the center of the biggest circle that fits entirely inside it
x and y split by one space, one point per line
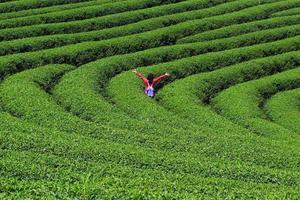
134 102
76 90
169 35
74 170
22 96
85 149
138 102
183 96
20 89
86 13
104 21
237 29
43 42
247 99
29 101
29 4
37 11
288 12
65 132
3 1
72 183
51 41
77 54
283 109
255 13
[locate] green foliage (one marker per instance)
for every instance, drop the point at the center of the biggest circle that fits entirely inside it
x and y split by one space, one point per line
292 11
97 23
76 124
236 29
252 97
125 18
29 4
76 91
131 100
283 108
81 14
43 42
253 94
37 11
207 85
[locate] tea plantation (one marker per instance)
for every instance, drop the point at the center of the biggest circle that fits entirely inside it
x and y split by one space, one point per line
75 122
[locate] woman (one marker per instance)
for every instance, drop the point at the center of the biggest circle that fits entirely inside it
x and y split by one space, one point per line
150 82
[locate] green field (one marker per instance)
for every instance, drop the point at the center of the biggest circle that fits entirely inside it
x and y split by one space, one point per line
75 122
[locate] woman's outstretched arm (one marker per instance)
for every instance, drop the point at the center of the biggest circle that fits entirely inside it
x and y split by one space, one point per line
141 76
160 77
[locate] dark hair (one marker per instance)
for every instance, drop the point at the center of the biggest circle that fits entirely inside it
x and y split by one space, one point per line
150 78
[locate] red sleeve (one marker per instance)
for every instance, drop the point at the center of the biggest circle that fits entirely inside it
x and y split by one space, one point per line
143 78
158 78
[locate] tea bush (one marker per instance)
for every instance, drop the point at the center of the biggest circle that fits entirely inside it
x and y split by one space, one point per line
76 124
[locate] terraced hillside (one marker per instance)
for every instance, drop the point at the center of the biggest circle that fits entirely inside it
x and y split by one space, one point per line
76 124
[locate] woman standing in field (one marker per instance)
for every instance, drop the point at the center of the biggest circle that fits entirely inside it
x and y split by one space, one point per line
150 82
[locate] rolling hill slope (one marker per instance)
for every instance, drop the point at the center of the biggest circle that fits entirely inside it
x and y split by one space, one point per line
76 124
